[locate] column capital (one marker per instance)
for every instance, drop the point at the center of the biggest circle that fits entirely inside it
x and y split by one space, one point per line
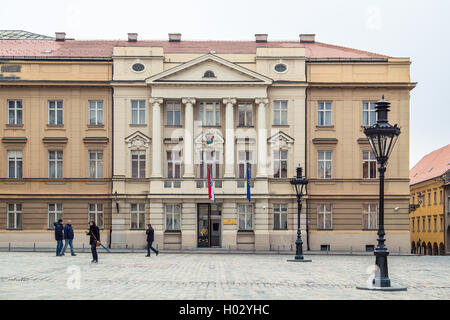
156 100
231 101
261 100
188 100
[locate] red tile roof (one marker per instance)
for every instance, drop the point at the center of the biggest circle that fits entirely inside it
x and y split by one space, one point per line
104 48
431 166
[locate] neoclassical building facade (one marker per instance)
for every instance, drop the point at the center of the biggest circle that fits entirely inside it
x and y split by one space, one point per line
178 111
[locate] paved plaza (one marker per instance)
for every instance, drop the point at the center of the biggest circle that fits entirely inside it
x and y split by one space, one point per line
37 275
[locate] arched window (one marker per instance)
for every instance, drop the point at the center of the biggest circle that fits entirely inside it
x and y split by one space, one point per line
209 74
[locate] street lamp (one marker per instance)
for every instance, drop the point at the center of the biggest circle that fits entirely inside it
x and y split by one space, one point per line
299 184
382 138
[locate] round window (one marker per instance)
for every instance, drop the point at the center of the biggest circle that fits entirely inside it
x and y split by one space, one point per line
138 67
280 67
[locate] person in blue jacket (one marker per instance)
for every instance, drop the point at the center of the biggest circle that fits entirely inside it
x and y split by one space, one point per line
68 237
59 236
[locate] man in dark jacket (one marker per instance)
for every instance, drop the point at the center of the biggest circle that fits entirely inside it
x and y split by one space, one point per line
68 237
150 238
94 233
59 236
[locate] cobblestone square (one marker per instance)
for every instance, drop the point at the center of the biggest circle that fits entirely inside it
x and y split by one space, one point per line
38 275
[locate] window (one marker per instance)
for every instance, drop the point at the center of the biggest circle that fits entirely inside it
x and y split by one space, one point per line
429 224
55 212
423 224
137 111
245 217
440 196
370 217
137 216
429 198
173 114
14 216
280 216
173 164
209 74
210 113
96 213
369 165
55 112
435 197
280 164
280 109
245 114
324 165
14 111
15 164
95 113
245 158
96 164
324 114
418 224
324 217
55 164
138 67
413 228
369 115
173 217
441 221
280 68
209 159
138 164
435 224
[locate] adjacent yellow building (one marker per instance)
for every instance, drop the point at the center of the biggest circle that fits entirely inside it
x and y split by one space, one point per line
427 203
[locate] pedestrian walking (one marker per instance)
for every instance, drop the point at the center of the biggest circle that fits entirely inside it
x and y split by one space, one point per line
59 236
94 240
150 238
68 237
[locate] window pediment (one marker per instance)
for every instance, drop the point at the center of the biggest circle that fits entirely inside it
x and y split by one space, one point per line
138 141
210 139
281 140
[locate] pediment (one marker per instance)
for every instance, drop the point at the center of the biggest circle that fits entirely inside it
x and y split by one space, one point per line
209 69
209 139
138 141
281 140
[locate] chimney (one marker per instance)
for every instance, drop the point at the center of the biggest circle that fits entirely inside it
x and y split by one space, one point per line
132 37
261 37
174 37
60 36
307 37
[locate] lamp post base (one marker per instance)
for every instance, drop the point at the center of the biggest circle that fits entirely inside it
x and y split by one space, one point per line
298 260
374 288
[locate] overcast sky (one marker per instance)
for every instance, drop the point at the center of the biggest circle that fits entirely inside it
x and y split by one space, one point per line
416 29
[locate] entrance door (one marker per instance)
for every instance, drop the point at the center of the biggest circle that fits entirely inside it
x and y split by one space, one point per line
209 225
203 226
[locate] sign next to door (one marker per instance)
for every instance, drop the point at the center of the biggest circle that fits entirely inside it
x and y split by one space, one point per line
229 221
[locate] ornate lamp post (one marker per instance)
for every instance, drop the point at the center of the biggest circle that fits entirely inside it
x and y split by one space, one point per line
299 184
382 138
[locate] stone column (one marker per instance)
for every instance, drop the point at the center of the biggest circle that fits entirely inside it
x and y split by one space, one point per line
229 137
262 137
156 137
188 137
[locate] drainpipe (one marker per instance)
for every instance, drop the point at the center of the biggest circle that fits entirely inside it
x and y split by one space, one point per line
306 159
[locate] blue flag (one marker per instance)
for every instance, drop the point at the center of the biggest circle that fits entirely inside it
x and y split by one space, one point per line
248 184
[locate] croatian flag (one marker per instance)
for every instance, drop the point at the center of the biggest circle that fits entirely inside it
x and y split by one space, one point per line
211 194
248 184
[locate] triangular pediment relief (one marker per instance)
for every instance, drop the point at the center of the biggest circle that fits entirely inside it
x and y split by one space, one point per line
138 141
209 139
209 69
281 140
